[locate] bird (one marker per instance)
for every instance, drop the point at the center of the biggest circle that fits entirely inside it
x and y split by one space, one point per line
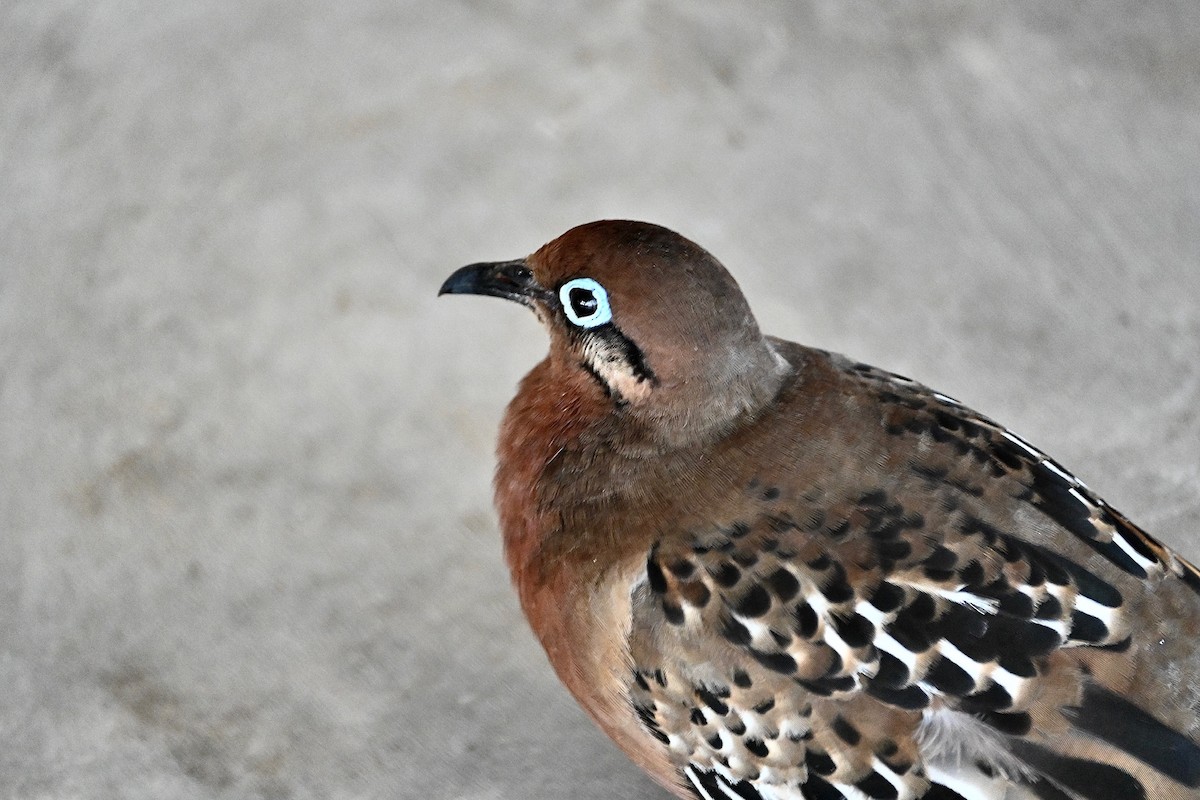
772 572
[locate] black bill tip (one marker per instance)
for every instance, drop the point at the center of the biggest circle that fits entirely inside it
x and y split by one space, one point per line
512 280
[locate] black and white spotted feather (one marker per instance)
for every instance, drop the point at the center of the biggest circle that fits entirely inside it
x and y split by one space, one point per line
923 638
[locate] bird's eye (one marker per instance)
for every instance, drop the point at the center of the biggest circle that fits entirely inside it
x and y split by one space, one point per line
585 302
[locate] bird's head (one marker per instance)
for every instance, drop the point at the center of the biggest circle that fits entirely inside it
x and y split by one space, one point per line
653 318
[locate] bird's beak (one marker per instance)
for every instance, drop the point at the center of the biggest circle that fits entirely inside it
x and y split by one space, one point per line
512 280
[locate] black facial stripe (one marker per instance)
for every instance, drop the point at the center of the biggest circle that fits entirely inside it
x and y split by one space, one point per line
612 346
615 341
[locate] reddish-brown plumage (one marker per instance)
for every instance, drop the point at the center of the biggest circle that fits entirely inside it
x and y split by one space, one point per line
766 568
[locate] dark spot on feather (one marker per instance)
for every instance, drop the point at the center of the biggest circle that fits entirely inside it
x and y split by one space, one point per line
929 472
754 603
886 530
715 742
1017 724
654 574
875 497
1007 453
1116 647
726 574
771 493
660 678
672 612
824 687
972 573
820 763
1018 665
838 530
780 524
712 701
682 568
877 787
948 677
855 629
910 697
737 727
784 584
814 520
820 563
651 724
765 706
756 746
737 530
947 421
777 662
837 589
921 609
1037 575
910 633
994 698
941 558
641 681
1086 628
697 717
845 731
740 678
807 619
1018 604
735 632
745 558
1049 608
888 597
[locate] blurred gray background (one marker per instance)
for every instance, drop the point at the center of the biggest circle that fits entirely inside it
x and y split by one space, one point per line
246 540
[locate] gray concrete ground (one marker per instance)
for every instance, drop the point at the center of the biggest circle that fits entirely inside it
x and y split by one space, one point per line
247 543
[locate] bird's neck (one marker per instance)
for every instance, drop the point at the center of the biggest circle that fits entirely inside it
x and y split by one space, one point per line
565 446
695 409
556 410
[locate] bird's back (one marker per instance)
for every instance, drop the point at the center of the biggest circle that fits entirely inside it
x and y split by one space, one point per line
868 587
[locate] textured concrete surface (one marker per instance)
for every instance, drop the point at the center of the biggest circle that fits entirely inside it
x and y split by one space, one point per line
247 542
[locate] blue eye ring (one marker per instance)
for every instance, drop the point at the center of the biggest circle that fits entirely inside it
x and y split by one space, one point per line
578 295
